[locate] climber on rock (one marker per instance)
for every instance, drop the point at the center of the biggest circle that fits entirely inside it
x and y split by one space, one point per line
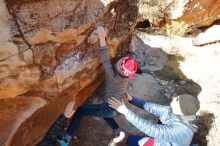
178 121
117 77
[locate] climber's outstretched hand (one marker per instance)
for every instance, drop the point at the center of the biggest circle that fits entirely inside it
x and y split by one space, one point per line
69 111
102 35
101 32
118 105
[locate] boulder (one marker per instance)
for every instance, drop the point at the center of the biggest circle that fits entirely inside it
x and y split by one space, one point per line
149 58
211 35
48 56
198 12
144 86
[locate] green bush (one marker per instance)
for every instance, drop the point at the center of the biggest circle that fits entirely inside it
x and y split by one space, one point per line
177 28
154 9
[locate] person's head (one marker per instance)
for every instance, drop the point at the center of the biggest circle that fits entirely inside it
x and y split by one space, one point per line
185 105
126 67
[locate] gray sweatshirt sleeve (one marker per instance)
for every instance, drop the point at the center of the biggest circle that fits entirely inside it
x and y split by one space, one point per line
170 133
105 59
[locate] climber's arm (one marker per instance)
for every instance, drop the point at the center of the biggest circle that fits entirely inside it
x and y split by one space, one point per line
155 109
105 59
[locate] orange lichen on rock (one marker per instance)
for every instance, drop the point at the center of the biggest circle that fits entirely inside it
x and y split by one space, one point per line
45 35
18 82
12 90
85 80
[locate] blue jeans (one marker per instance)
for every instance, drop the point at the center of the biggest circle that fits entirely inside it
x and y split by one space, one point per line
135 140
97 110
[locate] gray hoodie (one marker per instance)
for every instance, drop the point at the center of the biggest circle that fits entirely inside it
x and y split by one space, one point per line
116 85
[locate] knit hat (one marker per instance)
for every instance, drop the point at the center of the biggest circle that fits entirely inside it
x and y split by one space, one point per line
189 105
126 67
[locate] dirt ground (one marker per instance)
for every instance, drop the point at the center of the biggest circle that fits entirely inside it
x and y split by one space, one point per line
94 132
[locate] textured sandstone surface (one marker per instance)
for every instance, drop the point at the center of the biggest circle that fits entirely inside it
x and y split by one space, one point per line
48 56
198 12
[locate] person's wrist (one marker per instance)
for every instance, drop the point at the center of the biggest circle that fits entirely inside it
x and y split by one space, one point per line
67 116
125 111
130 98
102 43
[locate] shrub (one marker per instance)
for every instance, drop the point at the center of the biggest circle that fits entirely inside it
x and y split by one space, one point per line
154 9
177 28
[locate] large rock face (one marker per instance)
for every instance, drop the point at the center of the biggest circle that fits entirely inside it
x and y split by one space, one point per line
197 12
48 56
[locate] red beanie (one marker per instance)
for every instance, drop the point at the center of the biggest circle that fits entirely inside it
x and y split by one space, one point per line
126 66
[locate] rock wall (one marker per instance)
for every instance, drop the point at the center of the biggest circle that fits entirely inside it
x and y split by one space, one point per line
197 12
48 56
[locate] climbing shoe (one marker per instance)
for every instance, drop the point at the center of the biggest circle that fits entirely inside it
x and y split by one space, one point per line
62 143
63 139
